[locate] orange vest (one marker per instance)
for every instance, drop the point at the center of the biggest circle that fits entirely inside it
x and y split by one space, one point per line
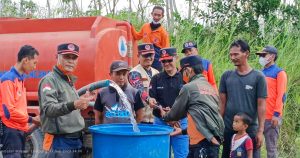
208 73
158 37
276 85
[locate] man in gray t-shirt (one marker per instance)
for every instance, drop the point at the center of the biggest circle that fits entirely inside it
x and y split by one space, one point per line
109 108
243 90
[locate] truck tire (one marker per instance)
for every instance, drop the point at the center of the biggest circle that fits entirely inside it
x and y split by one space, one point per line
34 145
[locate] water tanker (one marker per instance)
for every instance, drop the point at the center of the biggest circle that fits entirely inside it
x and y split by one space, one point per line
101 40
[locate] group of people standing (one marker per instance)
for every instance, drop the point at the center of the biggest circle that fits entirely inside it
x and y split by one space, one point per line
247 105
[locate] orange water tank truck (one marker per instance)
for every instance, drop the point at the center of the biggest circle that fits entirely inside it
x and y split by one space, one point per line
101 40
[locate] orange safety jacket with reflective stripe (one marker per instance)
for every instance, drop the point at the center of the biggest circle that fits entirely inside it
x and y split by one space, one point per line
158 37
13 109
276 85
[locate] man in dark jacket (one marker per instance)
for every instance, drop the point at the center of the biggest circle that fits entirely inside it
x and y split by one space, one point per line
60 106
200 102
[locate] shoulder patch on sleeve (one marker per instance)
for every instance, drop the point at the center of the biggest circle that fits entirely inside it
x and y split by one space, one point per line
46 87
135 75
135 79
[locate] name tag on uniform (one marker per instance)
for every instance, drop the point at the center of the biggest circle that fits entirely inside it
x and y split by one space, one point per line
248 87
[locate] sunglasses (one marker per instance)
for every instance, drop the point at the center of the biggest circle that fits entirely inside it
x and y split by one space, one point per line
167 61
149 55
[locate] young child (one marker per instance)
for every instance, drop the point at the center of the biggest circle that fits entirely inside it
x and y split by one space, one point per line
241 143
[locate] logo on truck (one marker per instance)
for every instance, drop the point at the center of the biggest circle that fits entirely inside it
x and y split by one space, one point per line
122 46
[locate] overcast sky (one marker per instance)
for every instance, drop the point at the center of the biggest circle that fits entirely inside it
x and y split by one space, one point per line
182 5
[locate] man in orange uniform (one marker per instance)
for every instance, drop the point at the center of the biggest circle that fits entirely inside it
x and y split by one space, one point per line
154 33
276 86
190 48
13 110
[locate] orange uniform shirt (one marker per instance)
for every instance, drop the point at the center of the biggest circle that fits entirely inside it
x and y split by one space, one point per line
276 85
158 37
194 134
13 110
208 73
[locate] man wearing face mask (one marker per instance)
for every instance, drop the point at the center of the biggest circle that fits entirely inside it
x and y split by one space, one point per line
243 90
140 77
164 88
200 103
154 33
276 86
190 48
60 106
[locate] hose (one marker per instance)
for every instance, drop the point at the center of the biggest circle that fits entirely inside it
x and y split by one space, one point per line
93 86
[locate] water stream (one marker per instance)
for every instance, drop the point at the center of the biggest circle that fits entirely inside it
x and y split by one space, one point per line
125 102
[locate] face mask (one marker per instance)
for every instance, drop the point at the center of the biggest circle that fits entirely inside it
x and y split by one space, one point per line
158 22
263 61
185 79
155 22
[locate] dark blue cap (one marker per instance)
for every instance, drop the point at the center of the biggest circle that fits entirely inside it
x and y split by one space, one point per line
190 61
145 48
118 65
268 49
167 53
188 45
68 48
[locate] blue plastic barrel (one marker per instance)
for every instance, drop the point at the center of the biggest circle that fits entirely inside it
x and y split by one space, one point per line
119 141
